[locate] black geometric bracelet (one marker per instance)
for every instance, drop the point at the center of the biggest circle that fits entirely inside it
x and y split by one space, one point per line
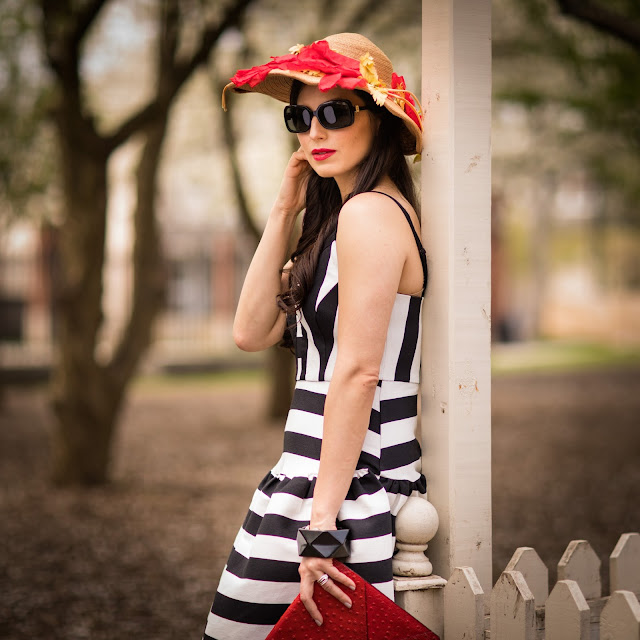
316 543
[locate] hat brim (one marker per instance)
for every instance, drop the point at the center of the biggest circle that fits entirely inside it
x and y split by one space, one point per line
278 82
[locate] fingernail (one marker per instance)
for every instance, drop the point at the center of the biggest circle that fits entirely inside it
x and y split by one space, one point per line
352 588
318 622
347 604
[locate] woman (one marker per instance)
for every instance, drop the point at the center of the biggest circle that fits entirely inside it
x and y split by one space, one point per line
350 456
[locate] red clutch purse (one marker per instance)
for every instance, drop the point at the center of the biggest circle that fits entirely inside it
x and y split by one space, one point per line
372 617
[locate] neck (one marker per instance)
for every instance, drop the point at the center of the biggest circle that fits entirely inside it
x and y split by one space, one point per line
346 184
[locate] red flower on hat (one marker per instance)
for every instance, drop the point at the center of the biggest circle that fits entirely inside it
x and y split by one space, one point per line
316 59
397 82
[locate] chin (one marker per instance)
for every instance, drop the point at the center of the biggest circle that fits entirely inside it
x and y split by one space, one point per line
325 173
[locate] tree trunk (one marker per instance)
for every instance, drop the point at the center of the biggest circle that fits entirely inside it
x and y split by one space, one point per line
86 415
280 369
81 399
88 395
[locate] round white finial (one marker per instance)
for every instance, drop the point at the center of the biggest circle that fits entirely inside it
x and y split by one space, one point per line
416 524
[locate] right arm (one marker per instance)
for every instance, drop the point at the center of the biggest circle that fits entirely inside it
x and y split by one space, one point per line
259 322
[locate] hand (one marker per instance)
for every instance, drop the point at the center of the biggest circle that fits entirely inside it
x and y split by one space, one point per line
293 189
311 569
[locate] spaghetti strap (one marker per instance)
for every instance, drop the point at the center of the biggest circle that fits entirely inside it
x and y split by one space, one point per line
423 253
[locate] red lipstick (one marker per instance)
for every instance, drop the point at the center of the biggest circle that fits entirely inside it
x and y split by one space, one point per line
322 154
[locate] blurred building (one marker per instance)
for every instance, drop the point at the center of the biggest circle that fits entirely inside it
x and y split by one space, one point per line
565 265
204 270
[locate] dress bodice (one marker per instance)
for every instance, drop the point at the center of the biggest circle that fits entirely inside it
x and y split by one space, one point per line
315 331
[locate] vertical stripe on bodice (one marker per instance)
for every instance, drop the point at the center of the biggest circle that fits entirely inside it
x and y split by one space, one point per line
315 329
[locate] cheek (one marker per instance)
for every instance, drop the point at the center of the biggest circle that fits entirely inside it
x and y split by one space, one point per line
364 136
361 142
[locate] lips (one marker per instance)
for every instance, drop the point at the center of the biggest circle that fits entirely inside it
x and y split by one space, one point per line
322 154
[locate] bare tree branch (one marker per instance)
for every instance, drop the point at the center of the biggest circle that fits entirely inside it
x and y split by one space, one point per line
246 217
84 20
53 33
615 24
365 10
59 30
177 75
168 40
231 18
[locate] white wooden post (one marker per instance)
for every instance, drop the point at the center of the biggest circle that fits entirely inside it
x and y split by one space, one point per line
527 561
456 227
620 618
464 606
513 608
580 562
624 563
567 613
417 591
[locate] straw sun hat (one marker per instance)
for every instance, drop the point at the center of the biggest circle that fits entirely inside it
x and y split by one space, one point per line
346 60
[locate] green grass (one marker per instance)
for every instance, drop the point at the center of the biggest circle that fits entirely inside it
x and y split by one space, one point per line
160 381
560 356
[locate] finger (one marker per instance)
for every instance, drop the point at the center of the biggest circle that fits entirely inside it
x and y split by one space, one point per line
299 164
299 154
333 589
306 597
340 577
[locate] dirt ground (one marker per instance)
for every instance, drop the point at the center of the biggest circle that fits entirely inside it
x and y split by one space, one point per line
141 557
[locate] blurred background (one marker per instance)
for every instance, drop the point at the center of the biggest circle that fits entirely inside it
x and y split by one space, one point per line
133 432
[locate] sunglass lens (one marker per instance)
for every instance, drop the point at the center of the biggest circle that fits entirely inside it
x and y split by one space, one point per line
329 115
297 118
336 114
305 117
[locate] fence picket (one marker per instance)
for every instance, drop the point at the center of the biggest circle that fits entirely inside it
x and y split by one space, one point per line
513 611
567 614
579 562
624 564
527 561
620 618
464 605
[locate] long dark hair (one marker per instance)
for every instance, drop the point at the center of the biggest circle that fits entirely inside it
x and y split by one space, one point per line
324 201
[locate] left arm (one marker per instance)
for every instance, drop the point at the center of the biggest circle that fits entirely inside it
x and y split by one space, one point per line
371 257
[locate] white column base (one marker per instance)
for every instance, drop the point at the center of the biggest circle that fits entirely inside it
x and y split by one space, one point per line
423 599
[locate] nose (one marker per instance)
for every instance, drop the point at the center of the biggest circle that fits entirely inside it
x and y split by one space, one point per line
317 131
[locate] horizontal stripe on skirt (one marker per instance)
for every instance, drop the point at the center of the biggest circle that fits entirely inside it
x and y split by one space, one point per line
262 569
221 629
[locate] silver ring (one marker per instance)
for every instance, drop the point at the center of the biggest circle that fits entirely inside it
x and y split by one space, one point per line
323 579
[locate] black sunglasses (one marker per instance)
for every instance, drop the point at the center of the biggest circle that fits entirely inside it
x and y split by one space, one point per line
334 114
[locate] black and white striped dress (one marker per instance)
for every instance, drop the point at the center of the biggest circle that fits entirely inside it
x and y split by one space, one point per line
261 577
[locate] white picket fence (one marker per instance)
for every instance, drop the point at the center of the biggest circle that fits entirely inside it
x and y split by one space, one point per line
521 608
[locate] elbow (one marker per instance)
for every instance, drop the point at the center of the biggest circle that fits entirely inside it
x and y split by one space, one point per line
361 376
367 379
245 341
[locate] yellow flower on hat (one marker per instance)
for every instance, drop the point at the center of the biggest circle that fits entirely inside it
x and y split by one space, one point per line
368 69
376 87
379 95
296 49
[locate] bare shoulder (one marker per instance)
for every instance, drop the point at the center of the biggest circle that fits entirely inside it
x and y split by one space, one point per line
368 215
